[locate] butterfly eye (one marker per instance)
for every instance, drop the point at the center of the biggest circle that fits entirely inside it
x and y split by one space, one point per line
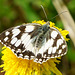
48 27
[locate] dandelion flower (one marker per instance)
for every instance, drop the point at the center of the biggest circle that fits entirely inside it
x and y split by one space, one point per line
17 66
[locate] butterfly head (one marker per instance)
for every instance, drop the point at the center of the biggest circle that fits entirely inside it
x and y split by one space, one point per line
46 26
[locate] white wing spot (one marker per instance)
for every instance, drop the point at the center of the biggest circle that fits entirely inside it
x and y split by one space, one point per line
7 33
21 55
29 28
18 43
62 37
13 40
23 36
65 53
55 56
48 57
13 50
59 42
6 39
44 60
23 50
44 55
36 59
19 50
62 54
30 47
52 56
26 56
54 49
32 57
25 41
40 59
60 51
50 50
15 32
47 45
64 46
51 42
59 55
28 43
54 34
41 50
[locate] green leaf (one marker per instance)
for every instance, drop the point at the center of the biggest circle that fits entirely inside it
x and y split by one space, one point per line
28 11
71 51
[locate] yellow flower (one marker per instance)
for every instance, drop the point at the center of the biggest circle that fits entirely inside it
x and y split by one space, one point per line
18 66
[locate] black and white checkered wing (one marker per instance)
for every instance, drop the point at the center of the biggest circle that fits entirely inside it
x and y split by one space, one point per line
20 39
34 41
54 46
57 45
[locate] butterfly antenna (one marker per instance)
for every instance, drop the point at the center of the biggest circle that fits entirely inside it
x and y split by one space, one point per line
58 14
44 12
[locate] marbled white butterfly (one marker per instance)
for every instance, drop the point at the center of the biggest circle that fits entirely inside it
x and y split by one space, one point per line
34 41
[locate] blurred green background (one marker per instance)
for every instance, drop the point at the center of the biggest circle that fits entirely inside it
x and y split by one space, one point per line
16 12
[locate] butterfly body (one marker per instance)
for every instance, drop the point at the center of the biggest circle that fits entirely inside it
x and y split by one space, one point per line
34 41
42 33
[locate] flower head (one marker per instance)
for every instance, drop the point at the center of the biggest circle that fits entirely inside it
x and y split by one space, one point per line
17 66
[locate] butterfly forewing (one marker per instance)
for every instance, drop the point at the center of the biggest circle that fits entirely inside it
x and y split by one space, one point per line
31 41
19 39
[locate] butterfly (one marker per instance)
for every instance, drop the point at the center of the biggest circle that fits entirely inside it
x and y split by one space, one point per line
34 41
